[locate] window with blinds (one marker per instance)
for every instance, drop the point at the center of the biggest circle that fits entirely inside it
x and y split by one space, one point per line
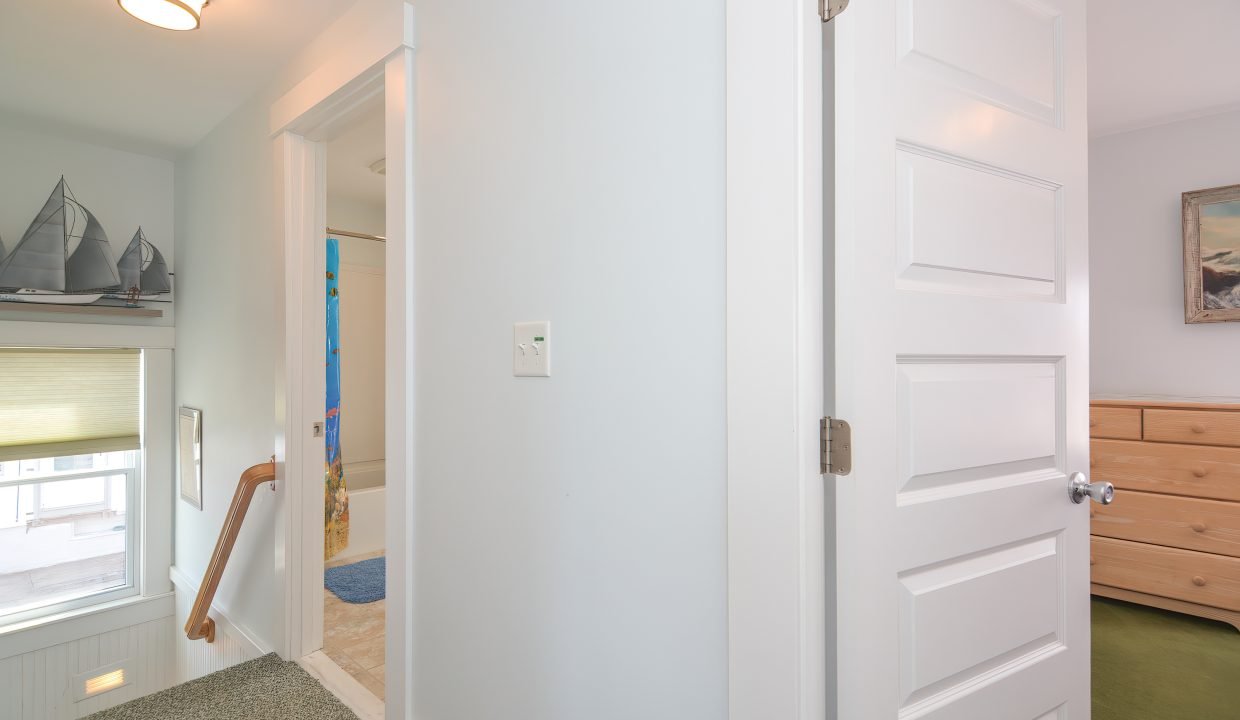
56 402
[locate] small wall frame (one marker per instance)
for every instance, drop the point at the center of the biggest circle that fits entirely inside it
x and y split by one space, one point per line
189 455
1212 255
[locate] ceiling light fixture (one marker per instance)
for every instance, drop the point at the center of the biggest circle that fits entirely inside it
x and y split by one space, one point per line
168 14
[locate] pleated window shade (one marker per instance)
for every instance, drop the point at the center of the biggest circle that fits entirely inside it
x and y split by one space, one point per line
57 402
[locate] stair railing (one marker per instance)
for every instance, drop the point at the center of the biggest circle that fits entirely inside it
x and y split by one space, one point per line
199 625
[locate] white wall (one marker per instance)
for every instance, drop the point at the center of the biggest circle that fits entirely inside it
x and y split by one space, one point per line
123 189
349 214
1140 344
226 356
570 535
570 532
346 213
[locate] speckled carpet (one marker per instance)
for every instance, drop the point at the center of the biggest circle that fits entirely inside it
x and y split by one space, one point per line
1155 665
264 689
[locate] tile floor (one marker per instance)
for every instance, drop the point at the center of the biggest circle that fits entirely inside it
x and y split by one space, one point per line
353 634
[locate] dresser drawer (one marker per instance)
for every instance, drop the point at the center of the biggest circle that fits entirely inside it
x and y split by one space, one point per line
1206 525
1195 471
1115 423
1187 575
1196 427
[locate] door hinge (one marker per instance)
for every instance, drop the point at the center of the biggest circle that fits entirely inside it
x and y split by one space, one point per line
828 9
835 447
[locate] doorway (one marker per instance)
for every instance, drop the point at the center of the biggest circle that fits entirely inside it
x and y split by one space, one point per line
368 114
354 543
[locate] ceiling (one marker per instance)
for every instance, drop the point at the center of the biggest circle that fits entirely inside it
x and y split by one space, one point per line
86 65
351 153
1152 62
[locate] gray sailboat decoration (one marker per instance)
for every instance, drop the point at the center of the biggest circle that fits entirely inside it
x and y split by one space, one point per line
143 270
47 267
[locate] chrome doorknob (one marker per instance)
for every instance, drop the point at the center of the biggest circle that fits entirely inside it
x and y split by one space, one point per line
1080 488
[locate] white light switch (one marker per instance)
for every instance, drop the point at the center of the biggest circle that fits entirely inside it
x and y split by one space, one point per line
531 349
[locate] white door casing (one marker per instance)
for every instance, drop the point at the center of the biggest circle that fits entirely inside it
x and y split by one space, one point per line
372 55
961 359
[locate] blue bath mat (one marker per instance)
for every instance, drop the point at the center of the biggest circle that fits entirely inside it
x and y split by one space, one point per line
359 582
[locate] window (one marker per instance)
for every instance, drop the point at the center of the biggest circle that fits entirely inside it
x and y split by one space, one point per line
70 478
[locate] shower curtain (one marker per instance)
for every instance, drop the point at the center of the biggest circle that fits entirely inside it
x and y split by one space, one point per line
335 496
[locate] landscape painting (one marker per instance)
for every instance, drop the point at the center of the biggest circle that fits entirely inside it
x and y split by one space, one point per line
1212 255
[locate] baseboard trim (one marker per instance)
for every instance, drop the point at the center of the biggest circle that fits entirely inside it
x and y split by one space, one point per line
223 623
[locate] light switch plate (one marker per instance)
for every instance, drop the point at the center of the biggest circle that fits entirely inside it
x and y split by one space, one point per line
531 349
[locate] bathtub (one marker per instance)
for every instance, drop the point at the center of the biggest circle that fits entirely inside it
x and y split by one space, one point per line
366 508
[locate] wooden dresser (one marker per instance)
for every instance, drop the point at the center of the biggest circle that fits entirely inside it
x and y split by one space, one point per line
1171 539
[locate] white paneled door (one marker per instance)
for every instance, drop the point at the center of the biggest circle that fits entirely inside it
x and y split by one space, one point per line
961 359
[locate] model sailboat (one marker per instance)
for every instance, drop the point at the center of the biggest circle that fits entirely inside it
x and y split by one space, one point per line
54 264
143 270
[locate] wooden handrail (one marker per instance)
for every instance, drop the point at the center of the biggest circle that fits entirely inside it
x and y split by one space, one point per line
198 625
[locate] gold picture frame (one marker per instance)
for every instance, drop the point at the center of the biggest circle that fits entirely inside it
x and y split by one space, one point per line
1212 254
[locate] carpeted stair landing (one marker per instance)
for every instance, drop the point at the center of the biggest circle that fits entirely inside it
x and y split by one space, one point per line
267 688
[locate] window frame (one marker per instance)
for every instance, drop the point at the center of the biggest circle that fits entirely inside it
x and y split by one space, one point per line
153 502
133 541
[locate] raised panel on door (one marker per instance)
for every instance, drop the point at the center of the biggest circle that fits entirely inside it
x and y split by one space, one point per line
947 637
940 459
1011 58
973 228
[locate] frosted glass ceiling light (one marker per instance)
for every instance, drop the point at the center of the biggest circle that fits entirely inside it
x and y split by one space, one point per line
169 14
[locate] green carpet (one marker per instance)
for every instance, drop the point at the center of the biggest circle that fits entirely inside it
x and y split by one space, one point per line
1155 665
264 689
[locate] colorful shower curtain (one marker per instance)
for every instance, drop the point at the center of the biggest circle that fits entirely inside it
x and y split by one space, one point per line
335 496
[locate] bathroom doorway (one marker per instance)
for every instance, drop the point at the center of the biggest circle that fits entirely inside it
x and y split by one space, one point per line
354 555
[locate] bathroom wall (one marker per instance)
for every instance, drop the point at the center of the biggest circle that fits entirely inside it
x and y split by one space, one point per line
355 204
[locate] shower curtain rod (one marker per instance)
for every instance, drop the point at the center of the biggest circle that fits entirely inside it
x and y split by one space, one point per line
358 235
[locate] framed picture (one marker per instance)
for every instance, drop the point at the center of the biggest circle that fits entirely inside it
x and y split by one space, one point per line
189 455
1212 255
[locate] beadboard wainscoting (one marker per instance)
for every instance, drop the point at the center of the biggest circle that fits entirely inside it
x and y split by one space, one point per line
194 658
43 670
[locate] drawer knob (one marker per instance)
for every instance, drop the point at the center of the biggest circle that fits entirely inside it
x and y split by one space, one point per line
1199 581
1199 472
1198 527
1092 561
1093 423
1197 428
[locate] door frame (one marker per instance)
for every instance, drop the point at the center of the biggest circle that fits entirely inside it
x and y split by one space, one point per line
373 56
779 659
